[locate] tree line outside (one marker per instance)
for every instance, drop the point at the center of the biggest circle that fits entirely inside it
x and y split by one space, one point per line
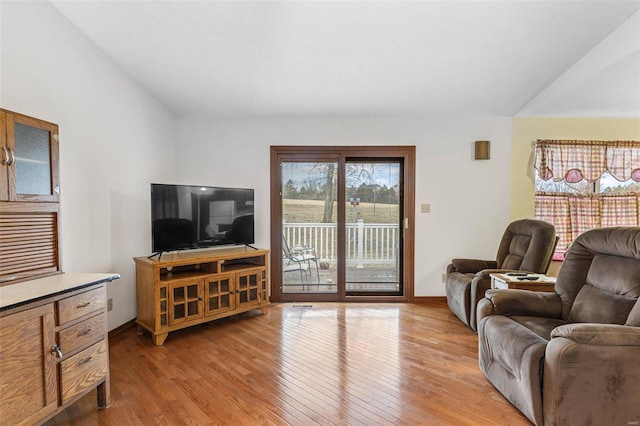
367 193
316 181
311 211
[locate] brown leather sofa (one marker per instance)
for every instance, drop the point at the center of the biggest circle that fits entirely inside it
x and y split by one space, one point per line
526 246
571 357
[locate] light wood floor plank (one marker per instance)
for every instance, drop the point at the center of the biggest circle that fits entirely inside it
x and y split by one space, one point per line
329 363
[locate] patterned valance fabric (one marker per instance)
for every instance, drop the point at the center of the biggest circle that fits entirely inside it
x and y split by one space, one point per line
574 160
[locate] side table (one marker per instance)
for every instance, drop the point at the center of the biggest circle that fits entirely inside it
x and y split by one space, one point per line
520 281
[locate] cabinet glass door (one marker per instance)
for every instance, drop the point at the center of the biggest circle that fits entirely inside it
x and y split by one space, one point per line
4 158
249 287
33 159
163 319
219 295
185 301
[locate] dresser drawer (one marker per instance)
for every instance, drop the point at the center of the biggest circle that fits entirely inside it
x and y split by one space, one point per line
83 370
81 304
83 333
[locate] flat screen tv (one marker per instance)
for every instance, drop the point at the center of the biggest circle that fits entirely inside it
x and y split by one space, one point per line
189 217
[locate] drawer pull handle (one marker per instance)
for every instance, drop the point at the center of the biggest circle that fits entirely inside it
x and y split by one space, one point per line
55 350
83 305
84 333
84 361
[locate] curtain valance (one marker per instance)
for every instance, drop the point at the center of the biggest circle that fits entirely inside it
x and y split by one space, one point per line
575 160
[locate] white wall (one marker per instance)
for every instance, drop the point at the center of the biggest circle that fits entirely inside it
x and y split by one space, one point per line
469 199
609 72
114 140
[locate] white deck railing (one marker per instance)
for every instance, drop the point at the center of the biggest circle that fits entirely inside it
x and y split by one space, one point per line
367 243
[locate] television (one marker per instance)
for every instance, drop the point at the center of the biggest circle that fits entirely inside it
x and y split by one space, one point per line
189 217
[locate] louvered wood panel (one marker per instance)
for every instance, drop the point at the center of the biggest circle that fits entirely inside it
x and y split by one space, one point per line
28 244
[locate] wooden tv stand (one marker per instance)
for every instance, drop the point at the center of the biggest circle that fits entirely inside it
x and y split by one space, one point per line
188 288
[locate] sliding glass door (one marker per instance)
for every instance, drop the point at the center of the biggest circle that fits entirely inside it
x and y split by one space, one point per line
309 227
338 223
373 219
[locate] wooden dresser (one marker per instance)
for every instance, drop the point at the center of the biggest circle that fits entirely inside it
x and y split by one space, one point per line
53 345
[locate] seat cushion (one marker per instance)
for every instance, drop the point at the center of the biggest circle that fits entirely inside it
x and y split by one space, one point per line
539 325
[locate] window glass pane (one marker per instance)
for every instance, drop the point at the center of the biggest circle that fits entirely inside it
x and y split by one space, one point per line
582 187
309 229
610 184
373 226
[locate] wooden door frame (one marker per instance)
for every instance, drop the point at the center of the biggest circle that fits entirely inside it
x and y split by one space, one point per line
340 154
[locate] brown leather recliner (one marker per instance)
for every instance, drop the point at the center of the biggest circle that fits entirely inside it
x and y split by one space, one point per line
571 357
527 246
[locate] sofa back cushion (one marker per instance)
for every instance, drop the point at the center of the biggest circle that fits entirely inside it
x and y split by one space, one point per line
527 245
599 280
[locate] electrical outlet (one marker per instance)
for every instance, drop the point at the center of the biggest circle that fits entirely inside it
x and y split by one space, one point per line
110 304
444 277
425 208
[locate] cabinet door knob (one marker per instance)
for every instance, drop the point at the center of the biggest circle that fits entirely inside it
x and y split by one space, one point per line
55 350
5 160
12 158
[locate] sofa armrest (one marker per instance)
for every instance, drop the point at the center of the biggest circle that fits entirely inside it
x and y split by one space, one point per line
519 302
588 367
599 334
472 265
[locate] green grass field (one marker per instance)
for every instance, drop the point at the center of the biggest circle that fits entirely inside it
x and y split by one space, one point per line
310 211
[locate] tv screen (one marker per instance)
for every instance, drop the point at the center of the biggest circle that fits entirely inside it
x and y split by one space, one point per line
189 216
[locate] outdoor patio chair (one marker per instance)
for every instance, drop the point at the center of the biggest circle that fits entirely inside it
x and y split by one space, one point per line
300 255
288 266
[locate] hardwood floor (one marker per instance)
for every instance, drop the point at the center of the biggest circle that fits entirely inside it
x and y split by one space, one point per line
303 364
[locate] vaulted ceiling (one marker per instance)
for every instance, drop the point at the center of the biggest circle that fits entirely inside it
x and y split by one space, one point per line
329 58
